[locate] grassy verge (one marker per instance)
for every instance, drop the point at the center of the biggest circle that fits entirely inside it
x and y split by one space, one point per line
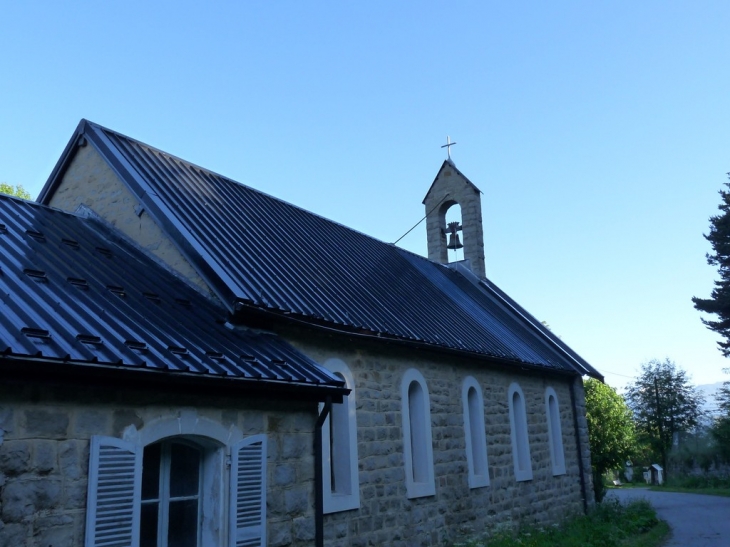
611 524
697 485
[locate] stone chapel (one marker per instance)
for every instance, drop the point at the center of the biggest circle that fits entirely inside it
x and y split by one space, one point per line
358 395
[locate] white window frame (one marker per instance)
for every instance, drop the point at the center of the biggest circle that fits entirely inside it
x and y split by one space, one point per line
163 497
474 433
347 495
219 445
417 430
555 432
518 432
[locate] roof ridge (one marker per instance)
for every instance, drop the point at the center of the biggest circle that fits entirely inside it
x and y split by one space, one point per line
241 184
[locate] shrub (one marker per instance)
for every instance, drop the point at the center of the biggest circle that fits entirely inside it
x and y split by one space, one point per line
610 524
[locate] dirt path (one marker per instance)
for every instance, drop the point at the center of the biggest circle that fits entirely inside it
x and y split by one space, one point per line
696 520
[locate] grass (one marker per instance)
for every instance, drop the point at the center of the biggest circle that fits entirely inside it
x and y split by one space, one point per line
712 486
610 524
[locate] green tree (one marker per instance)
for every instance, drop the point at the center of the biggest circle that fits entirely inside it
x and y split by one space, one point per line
719 301
723 396
664 403
611 432
720 430
11 190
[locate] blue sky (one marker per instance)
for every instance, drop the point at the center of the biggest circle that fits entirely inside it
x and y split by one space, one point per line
598 132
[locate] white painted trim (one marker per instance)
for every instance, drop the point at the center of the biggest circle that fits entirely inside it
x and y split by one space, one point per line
423 462
555 432
518 433
348 497
474 433
181 423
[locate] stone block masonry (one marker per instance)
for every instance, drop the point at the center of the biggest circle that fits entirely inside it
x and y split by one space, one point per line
45 434
386 516
44 456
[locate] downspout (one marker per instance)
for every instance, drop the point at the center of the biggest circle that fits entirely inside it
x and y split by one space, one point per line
578 446
318 478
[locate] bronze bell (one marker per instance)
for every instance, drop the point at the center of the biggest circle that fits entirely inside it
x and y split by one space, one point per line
454 242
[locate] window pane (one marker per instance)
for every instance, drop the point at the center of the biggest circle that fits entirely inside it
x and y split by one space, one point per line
476 430
417 417
183 524
520 431
148 525
151 472
184 470
340 446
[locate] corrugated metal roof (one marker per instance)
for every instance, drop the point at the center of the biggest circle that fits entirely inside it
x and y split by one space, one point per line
71 292
276 256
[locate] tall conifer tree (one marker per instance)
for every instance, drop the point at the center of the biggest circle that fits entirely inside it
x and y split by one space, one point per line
719 301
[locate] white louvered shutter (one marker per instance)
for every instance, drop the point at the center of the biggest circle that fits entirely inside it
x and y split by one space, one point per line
113 506
248 493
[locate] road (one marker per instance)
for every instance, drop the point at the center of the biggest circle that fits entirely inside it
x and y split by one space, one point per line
696 520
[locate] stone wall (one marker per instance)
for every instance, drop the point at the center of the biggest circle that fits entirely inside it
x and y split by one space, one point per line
386 516
44 456
90 181
45 435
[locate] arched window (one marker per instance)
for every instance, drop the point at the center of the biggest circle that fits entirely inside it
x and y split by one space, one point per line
476 439
339 447
520 441
160 489
417 440
555 432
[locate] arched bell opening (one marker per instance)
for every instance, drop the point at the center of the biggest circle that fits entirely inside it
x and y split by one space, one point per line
451 224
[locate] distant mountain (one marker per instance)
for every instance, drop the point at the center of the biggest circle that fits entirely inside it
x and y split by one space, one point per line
710 390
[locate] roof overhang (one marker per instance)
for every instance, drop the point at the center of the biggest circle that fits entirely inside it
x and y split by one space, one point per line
249 313
108 375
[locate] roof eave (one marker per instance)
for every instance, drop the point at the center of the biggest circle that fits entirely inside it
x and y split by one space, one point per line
55 371
384 338
549 337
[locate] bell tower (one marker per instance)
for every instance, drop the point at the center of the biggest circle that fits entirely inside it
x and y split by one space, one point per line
449 188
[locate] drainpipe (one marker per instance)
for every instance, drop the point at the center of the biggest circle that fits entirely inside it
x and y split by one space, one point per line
318 479
578 445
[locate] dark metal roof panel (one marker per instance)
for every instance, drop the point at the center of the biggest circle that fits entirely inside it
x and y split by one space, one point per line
277 256
70 291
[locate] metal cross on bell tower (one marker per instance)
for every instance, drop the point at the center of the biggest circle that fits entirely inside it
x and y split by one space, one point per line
448 146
